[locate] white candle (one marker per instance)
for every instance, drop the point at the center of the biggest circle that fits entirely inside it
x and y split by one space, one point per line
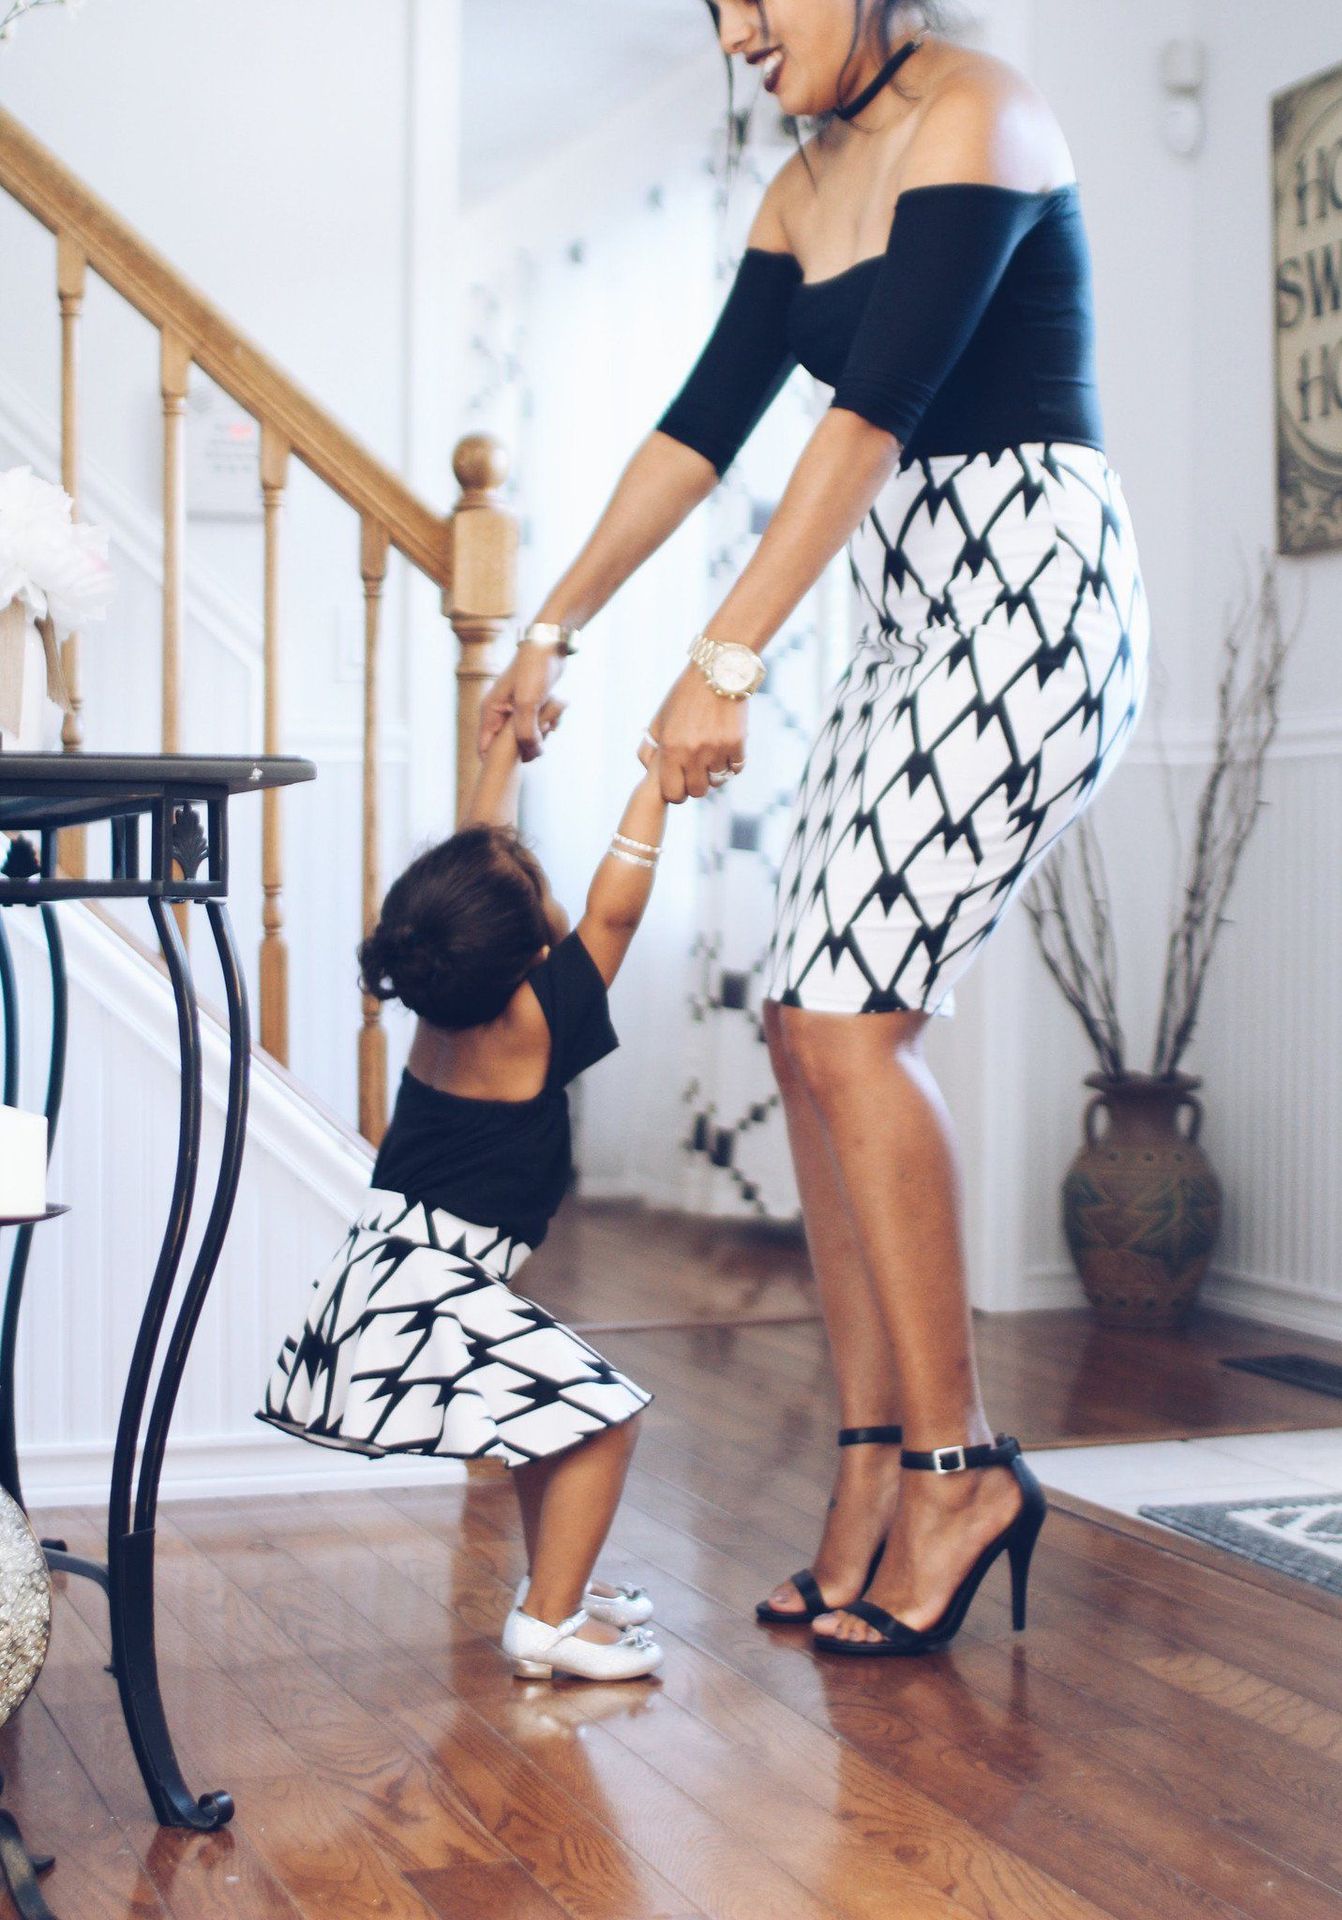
23 1163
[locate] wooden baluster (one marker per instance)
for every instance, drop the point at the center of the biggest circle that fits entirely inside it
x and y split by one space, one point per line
175 368
71 275
372 1037
482 595
274 950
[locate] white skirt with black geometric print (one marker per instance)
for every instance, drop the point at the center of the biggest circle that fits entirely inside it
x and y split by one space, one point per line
415 1342
999 676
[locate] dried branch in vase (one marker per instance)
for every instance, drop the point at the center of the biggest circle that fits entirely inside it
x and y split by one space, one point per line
1068 901
1068 905
12 13
1248 710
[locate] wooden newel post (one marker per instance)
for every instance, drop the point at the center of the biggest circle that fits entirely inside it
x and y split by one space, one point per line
482 596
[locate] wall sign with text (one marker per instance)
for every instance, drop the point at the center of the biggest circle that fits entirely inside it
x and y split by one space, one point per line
1307 160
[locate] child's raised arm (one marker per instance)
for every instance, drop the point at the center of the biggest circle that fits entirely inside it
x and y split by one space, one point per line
622 885
493 803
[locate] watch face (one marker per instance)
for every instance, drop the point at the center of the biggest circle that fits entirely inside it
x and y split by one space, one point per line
736 669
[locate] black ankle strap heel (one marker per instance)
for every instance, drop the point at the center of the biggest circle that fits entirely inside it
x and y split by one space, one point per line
1017 1541
870 1436
813 1601
999 1453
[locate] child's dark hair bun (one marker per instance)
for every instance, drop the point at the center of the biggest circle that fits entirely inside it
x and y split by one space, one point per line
459 930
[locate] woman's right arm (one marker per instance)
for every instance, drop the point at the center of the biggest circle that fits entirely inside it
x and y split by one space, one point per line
659 489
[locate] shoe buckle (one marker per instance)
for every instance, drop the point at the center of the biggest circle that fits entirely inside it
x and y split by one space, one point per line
949 1460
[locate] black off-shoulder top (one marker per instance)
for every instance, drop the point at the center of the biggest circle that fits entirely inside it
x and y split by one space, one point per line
972 332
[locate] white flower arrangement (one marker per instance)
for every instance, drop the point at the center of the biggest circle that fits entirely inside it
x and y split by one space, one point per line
11 11
55 567
54 579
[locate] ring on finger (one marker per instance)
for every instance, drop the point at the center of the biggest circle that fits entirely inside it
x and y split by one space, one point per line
719 777
648 740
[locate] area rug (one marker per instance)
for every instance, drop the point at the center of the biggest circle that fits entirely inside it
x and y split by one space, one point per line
1300 1535
1295 1370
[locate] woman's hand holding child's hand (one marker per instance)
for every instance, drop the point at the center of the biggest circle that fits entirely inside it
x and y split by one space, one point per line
520 697
696 733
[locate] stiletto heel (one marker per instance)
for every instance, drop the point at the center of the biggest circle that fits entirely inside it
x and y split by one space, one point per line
813 1601
1020 1547
1017 1541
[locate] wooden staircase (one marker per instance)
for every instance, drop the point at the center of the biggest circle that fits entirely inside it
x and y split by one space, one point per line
469 553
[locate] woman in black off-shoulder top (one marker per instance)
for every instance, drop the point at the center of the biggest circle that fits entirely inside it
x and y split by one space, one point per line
925 256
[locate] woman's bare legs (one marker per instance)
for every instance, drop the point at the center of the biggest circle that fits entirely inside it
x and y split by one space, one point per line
867 1478
892 1147
568 1503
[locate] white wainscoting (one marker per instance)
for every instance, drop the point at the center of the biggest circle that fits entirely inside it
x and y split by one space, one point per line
1268 1046
113 1162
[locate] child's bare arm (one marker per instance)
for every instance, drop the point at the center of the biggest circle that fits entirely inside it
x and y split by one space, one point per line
497 788
622 885
493 803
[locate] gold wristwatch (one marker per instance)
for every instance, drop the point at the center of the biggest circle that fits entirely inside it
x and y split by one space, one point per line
551 637
733 671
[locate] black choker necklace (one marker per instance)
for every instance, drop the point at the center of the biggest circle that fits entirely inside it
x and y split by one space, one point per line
880 83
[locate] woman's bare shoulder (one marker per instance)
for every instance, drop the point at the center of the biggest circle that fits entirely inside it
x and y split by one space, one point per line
774 224
983 122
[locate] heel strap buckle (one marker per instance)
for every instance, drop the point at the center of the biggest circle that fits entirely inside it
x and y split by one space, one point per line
949 1460
998 1453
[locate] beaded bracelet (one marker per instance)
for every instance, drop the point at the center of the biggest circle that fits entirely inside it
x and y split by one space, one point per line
635 846
632 859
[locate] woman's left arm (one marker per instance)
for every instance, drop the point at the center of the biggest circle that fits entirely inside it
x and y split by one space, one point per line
930 293
842 469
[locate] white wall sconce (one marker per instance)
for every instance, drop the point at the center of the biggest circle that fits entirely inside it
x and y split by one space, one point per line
1183 74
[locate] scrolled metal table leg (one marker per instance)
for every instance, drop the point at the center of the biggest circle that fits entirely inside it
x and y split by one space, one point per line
130 1536
19 1869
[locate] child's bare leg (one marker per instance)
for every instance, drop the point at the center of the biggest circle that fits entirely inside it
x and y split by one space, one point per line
578 1493
529 1485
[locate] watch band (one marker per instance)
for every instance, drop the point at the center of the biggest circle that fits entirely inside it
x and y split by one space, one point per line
551 636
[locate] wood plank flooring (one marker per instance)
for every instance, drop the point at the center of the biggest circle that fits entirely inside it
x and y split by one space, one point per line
1164 1741
1055 1378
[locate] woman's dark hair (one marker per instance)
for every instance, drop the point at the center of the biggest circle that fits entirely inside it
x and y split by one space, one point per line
459 931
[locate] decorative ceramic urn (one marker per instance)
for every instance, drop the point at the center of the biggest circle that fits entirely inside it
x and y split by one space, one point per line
1141 1205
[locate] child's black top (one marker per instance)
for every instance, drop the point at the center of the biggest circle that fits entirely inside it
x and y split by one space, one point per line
504 1163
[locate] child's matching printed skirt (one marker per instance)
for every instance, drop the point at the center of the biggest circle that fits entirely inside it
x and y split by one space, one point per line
415 1342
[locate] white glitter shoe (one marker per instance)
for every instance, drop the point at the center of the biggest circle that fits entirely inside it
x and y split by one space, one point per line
539 1651
626 1607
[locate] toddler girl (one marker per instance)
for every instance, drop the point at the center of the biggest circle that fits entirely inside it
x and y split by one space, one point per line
415 1340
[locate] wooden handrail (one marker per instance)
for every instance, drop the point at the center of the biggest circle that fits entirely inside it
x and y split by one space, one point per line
56 197
470 553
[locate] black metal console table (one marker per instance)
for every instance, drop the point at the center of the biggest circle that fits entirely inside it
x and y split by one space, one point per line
187 860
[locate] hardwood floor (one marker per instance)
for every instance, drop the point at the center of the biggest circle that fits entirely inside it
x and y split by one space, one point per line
1054 1378
1164 1741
